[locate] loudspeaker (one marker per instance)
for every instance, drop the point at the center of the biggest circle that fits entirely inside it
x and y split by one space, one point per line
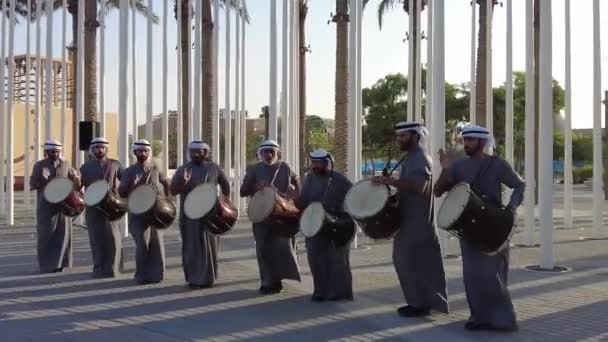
87 131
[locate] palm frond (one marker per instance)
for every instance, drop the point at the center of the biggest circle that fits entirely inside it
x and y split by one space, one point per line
138 4
383 7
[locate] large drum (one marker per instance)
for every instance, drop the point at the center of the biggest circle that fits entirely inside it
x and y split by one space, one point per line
99 195
60 192
374 208
159 212
267 205
214 209
465 214
337 227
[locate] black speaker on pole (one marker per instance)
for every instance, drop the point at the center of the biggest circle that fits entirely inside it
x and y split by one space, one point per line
87 131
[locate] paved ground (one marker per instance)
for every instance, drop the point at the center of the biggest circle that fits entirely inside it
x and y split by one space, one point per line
71 306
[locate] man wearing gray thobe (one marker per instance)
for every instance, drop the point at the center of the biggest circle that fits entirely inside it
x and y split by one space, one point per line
53 229
276 254
104 235
329 264
199 246
485 276
416 250
149 243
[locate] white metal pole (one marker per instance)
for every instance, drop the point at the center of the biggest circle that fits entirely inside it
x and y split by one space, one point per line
165 145
149 78
123 94
38 134
272 102
285 115
10 218
509 86
48 109
568 122
134 76
438 137
102 68
429 66
80 79
410 63
418 66
530 177
545 191
598 195
352 100
180 114
216 115
190 117
196 112
27 116
473 97
290 86
243 106
359 93
237 114
296 98
3 121
489 93
227 116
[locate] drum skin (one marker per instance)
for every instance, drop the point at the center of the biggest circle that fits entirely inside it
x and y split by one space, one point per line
385 222
284 217
383 225
72 205
485 226
338 227
112 206
160 215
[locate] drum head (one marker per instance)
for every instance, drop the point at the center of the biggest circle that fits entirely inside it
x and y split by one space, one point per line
58 189
261 205
365 199
312 219
142 199
96 192
453 205
200 201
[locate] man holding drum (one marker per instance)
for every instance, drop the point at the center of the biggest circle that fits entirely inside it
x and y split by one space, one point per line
416 251
149 243
54 230
485 276
329 262
276 253
199 246
104 235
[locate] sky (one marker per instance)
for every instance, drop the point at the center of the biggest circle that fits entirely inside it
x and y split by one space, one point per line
383 52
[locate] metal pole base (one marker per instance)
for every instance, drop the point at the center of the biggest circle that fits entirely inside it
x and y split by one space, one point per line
555 269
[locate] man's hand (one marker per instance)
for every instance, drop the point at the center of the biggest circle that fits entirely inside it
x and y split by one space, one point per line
136 180
46 173
291 192
444 159
187 175
76 176
261 185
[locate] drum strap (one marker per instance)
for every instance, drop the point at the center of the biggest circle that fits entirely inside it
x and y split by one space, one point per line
480 174
274 177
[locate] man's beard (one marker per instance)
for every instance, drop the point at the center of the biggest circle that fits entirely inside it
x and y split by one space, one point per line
142 159
271 162
319 171
100 155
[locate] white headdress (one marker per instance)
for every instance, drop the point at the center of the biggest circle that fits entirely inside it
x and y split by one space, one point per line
268 145
321 154
53 145
99 141
414 127
482 133
198 145
141 145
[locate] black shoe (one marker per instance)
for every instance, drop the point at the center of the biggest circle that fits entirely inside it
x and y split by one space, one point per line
265 290
199 287
410 311
317 298
276 288
474 326
338 299
58 270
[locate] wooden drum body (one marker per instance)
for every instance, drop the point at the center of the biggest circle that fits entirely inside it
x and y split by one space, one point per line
214 209
268 206
159 212
60 193
374 208
337 227
99 195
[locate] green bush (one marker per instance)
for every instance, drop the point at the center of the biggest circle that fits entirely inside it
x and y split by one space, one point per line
581 174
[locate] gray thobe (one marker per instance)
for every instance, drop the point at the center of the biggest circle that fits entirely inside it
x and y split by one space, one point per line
199 246
485 276
149 243
276 254
329 264
104 235
54 230
416 250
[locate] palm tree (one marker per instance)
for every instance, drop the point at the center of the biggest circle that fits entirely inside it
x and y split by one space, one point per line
482 61
303 138
386 5
341 86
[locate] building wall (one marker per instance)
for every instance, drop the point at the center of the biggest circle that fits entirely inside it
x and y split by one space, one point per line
19 135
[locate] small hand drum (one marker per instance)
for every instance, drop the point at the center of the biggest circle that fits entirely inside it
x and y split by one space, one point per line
465 214
267 205
99 195
60 192
338 228
159 212
374 209
215 210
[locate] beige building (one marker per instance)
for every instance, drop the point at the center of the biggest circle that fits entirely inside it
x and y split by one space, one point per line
19 136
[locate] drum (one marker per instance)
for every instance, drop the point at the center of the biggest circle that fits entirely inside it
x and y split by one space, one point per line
99 195
60 192
466 215
159 212
267 205
338 228
374 208
215 210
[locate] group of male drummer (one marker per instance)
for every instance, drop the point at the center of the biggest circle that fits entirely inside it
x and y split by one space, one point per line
416 251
